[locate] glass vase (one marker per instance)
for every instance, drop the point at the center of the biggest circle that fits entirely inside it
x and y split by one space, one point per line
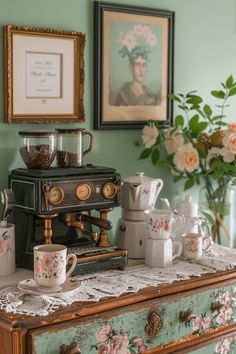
217 203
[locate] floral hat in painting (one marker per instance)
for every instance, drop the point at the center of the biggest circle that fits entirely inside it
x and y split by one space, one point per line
137 41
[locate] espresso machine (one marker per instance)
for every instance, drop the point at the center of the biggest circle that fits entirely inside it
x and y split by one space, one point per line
57 205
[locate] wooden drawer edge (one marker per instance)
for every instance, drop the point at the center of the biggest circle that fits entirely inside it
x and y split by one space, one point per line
182 346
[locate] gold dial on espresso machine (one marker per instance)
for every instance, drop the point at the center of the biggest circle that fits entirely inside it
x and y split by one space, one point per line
83 191
109 190
55 195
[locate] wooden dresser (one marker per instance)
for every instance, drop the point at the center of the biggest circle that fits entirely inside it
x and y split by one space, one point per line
196 316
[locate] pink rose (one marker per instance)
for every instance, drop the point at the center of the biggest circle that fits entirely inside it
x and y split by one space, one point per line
201 323
48 261
38 267
206 323
104 348
224 346
103 333
232 126
197 323
138 342
225 315
225 298
186 158
120 345
173 140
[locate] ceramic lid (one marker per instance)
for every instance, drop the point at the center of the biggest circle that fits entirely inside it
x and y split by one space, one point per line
187 207
139 178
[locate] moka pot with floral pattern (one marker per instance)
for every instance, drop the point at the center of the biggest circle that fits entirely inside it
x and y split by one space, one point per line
199 146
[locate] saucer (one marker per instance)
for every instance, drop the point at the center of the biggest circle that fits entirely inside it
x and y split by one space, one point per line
29 286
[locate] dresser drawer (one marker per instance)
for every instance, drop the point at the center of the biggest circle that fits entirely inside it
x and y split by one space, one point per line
221 345
145 325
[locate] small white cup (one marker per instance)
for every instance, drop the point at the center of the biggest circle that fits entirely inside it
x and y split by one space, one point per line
194 244
50 265
161 224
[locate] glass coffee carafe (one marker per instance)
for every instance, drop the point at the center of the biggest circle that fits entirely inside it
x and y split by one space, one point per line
70 151
38 148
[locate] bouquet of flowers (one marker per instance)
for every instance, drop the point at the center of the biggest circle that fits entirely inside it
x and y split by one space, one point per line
137 41
199 146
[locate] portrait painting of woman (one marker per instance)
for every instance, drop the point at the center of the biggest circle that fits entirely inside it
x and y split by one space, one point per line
134 75
135 46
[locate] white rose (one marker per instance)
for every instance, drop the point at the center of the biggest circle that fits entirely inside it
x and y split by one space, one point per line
149 135
229 146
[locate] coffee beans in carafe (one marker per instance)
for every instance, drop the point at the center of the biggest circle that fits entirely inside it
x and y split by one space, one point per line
70 147
38 148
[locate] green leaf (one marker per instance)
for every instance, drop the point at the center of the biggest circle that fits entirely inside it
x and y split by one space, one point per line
209 218
194 100
222 124
190 93
177 178
217 173
189 183
207 110
202 153
201 126
218 117
218 94
229 82
164 163
145 154
232 92
193 122
174 98
155 156
179 120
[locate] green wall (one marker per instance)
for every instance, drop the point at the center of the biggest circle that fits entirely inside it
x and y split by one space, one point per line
205 54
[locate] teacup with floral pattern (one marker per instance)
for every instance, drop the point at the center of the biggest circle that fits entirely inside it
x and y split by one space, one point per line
162 224
194 244
50 265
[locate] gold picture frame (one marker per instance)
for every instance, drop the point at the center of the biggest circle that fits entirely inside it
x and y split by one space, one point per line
43 75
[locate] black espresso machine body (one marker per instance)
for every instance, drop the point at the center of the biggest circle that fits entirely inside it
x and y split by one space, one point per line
55 205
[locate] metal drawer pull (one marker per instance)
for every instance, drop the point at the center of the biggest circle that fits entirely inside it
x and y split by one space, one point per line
154 324
69 349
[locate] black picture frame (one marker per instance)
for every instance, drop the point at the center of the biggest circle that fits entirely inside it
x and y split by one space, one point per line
114 25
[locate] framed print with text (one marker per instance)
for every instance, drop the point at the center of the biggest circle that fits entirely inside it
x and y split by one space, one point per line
43 75
133 65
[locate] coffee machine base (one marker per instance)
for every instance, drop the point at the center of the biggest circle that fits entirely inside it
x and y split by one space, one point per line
95 259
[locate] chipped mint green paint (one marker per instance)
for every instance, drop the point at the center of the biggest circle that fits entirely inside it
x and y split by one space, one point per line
133 323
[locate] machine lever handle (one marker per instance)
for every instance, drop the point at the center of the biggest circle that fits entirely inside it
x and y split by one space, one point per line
104 224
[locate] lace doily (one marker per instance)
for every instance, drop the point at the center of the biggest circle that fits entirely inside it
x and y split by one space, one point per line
113 283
